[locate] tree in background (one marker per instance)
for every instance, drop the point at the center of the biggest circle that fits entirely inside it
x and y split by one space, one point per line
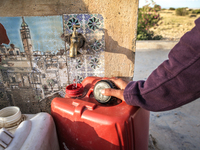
182 12
148 16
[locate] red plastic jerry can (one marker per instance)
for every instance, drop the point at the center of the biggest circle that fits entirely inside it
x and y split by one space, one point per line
84 124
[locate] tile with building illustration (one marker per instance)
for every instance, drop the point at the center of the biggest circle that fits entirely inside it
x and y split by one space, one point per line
35 59
36 62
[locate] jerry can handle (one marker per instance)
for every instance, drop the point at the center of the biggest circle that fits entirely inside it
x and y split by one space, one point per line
81 107
89 92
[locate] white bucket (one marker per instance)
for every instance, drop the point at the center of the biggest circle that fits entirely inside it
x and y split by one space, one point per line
10 117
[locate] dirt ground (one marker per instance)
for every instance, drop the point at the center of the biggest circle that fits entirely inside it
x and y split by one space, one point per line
173 27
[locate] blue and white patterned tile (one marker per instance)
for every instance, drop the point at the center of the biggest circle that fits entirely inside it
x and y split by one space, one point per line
77 64
94 24
70 20
89 23
95 74
100 17
96 44
78 76
92 61
94 64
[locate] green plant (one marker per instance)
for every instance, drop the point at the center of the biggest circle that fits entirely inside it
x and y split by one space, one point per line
148 17
181 12
193 15
157 7
147 35
196 11
171 8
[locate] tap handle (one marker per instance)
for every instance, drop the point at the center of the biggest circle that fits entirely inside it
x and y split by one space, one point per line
74 29
75 26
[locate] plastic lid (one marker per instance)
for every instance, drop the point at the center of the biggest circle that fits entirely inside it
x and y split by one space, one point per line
10 116
103 84
71 92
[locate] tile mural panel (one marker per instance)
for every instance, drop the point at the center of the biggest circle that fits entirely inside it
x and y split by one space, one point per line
36 63
91 60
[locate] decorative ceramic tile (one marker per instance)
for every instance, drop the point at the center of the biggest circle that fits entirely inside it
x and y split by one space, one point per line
96 74
96 45
79 77
77 64
91 60
94 23
93 63
37 60
70 20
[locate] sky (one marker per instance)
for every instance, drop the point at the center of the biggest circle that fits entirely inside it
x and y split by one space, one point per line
45 32
173 3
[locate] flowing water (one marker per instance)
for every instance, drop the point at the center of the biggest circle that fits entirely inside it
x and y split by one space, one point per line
73 64
74 86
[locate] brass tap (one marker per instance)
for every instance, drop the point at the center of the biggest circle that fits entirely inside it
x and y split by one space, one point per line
76 41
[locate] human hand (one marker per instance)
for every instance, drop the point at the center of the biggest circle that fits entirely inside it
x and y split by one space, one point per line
121 84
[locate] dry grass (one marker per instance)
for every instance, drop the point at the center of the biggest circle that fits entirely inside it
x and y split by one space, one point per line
173 27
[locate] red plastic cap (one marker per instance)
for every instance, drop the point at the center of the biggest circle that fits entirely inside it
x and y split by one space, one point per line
70 92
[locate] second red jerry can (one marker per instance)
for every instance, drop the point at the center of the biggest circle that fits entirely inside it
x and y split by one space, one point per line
84 124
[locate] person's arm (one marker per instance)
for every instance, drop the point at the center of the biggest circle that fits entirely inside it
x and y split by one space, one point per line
175 82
